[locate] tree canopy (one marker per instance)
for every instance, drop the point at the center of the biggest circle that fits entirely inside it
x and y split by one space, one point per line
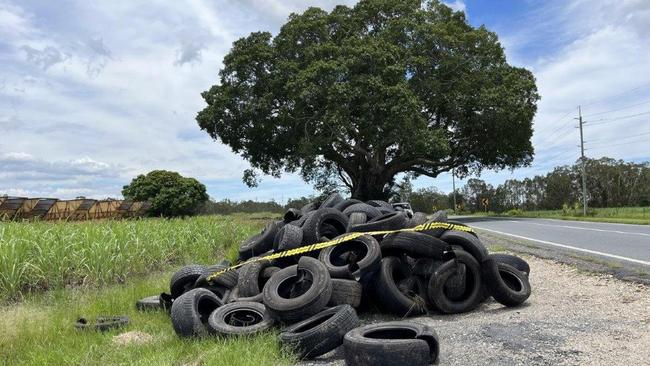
359 95
170 193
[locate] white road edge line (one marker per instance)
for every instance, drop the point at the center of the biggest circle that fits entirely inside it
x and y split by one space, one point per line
570 247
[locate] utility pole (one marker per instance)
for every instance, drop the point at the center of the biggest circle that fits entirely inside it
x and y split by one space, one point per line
453 185
582 159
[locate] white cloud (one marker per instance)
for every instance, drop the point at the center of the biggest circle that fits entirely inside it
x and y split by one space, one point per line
457 5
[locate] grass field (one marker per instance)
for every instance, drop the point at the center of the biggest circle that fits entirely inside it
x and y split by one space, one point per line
623 215
54 273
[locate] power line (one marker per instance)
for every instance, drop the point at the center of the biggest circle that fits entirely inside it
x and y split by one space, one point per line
596 101
610 120
621 137
621 144
561 126
617 109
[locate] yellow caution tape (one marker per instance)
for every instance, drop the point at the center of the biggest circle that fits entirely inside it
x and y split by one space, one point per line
341 239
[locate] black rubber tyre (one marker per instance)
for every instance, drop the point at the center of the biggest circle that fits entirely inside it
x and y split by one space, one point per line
437 291
357 218
470 243
439 216
418 219
227 279
302 219
298 292
413 244
346 203
391 344
239 318
289 237
191 310
292 214
505 283
332 200
260 243
345 292
512 260
149 303
248 283
313 228
183 280
390 221
311 206
381 205
390 296
355 259
320 333
425 267
370 211
456 285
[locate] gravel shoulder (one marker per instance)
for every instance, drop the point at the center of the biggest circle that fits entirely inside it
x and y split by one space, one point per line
573 317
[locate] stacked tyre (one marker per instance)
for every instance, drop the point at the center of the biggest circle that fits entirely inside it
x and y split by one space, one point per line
315 296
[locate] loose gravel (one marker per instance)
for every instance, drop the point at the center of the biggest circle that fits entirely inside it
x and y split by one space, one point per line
572 318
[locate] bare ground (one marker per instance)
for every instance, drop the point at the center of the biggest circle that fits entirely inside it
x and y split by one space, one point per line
573 317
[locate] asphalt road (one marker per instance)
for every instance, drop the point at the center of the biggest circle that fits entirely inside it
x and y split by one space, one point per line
622 242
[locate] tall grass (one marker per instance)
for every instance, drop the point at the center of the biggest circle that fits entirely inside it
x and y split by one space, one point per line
631 215
44 255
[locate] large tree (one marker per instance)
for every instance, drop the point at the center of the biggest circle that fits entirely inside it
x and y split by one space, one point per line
170 193
359 95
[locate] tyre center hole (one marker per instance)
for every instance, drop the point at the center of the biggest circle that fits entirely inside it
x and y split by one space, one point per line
295 286
337 227
511 280
395 333
313 324
348 253
243 317
205 307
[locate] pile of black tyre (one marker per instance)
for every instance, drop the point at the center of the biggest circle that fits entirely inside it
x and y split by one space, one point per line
314 298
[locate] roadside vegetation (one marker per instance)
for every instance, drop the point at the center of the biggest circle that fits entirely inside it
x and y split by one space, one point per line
42 256
53 273
624 215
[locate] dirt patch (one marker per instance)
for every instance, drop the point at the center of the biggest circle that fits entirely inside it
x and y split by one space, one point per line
572 318
133 337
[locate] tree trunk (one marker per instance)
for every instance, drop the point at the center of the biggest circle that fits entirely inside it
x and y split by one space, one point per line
369 187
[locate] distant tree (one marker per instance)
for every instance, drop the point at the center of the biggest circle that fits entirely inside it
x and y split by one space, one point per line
359 95
170 193
428 200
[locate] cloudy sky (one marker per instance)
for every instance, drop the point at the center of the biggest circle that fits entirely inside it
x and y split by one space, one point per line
93 94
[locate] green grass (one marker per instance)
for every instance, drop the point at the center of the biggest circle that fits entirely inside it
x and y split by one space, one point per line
53 273
623 215
40 331
43 255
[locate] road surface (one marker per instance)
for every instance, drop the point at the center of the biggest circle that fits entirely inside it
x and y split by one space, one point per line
622 242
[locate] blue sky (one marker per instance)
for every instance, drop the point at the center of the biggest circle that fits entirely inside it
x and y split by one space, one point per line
94 93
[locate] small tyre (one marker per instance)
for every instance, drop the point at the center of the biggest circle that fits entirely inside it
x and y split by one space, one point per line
413 244
314 227
291 215
370 211
390 221
289 237
390 295
227 279
239 318
470 243
391 344
320 333
298 292
183 280
191 310
418 219
248 283
260 243
345 292
149 303
437 290
507 285
331 201
355 259
512 260
357 218
346 203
